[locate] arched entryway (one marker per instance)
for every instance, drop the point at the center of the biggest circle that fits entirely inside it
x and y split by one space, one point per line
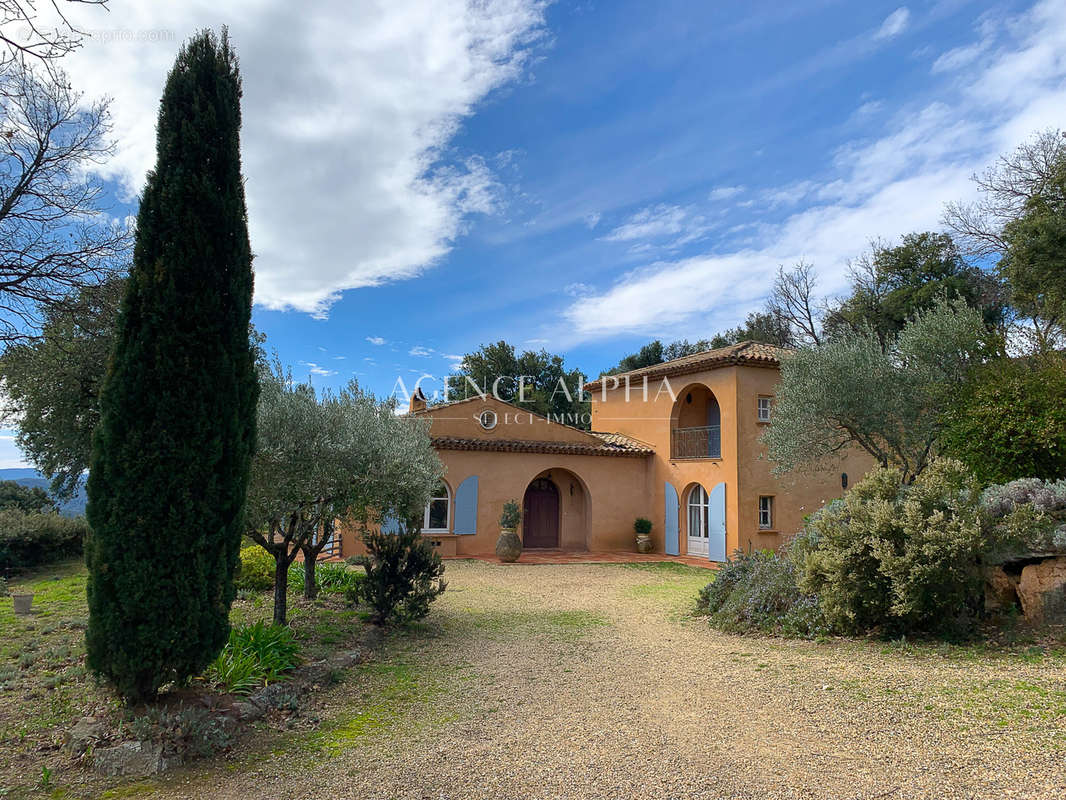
705 522
555 511
540 514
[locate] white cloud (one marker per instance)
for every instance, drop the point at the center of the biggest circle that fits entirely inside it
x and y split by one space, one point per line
894 24
348 109
375 340
592 219
578 289
959 57
725 192
680 225
876 188
662 220
10 455
316 369
867 110
419 351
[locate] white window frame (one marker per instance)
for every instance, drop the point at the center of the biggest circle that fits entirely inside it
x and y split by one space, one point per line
700 500
447 497
760 408
481 419
766 512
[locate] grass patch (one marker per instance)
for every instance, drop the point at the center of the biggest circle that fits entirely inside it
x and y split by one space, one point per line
396 698
668 568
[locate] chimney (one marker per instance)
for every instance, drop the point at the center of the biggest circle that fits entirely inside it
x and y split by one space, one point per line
418 401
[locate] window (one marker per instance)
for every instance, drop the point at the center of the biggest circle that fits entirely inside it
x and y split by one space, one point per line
764 409
438 511
488 419
697 513
766 513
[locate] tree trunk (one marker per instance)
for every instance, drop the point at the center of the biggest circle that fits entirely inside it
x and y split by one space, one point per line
310 562
281 588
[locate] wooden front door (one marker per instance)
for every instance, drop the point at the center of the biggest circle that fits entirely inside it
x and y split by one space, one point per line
540 517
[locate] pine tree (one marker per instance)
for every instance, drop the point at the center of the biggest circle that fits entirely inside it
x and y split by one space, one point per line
172 451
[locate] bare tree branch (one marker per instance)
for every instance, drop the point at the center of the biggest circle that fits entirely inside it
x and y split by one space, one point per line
24 34
54 233
792 299
1005 188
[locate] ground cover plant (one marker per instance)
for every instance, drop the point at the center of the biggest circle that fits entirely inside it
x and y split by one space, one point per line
255 655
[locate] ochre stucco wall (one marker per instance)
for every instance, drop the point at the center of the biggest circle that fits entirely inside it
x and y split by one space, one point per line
646 415
796 494
601 496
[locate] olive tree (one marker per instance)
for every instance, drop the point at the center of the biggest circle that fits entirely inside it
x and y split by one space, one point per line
888 400
327 456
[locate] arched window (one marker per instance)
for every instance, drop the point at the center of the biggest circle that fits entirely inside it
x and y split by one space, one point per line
438 511
697 513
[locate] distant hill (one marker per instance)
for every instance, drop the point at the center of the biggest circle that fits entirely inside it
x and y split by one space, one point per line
75 507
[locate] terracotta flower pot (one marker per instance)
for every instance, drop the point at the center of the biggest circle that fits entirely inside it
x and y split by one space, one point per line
643 542
508 546
23 603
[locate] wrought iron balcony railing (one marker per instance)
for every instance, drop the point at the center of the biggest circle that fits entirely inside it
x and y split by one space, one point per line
703 442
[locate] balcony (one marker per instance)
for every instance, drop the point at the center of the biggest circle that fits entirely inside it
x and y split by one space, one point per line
702 442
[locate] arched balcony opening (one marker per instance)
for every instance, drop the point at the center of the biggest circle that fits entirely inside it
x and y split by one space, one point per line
696 424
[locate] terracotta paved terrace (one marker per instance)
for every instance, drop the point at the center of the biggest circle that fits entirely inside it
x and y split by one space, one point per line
548 556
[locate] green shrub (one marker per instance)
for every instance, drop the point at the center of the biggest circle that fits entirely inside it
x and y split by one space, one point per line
1008 420
936 577
844 569
254 655
403 574
355 591
31 499
511 516
183 732
30 539
1026 516
334 577
642 525
900 558
256 570
759 592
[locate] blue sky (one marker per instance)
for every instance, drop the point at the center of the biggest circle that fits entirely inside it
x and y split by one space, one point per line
581 176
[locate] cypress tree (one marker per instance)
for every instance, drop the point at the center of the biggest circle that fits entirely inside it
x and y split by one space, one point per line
172 452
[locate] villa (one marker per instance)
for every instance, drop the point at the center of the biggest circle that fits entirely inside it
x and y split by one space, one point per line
677 443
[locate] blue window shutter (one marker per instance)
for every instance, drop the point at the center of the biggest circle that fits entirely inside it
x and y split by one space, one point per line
390 523
716 524
465 507
673 541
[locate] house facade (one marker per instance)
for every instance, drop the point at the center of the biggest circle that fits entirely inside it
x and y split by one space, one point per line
677 443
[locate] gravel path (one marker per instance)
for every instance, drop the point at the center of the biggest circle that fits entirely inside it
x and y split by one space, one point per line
589 681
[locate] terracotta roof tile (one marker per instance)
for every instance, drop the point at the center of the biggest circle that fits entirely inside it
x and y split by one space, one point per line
750 353
614 444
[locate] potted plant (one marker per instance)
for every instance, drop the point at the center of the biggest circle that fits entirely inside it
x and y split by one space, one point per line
509 546
23 602
643 528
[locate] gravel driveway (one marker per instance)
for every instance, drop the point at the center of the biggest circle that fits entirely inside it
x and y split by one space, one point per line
590 681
